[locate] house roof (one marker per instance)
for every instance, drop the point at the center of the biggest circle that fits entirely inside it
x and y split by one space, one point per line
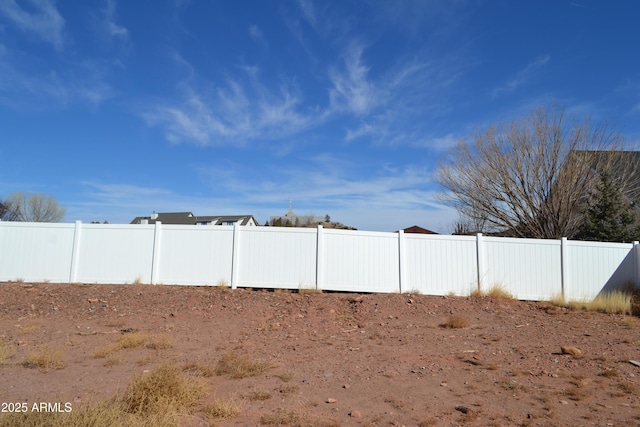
244 219
418 230
167 218
188 218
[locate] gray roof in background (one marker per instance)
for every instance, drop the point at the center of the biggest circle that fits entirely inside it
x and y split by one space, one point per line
188 218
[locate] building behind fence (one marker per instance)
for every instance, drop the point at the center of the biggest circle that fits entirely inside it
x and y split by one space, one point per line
302 258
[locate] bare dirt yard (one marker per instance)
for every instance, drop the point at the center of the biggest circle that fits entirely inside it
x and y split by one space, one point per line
320 359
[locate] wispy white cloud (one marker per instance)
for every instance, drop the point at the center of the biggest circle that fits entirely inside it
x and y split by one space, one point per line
393 107
522 76
308 11
352 89
45 22
257 36
384 108
22 86
113 29
236 112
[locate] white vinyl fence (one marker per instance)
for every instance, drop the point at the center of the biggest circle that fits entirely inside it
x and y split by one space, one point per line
303 258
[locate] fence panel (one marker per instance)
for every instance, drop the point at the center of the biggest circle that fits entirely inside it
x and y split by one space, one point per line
36 251
440 265
360 261
596 265
339 260
277 257
111 253
529 269
195 255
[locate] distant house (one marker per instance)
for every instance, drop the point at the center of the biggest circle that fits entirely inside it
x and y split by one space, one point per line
188 218
418 230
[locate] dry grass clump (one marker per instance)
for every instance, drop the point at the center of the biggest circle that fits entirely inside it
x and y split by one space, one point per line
455 322
280 417
237 367
104 414
30 328
224 409
160 391
615 302
303 290
159 342
135 340
45 358
630 323
627 387
157 399
199 370
6 352
258 395
496 291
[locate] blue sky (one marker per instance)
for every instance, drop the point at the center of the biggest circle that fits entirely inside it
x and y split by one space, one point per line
121 108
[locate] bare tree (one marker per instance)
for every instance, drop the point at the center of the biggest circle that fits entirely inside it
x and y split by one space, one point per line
6 213
529 178
35 208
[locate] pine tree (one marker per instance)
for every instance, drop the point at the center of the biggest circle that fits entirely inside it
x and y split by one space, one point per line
609 216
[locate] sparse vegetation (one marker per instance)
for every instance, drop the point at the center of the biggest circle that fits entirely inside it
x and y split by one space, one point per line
45 358
627 387
154 399
284 377
258 395
509 348
499 291
199 370
496 291
30 328
616 302
104 414
224 409
288 390
308 290
160 391
236 367
455 322
280 417
135 340
6 351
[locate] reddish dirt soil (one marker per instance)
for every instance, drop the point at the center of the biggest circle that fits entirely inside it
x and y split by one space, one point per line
340 359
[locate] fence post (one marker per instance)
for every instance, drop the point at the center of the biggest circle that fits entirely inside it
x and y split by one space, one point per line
75 252
564 267
481 260
235 256
401 266
155 258
636 265
320 257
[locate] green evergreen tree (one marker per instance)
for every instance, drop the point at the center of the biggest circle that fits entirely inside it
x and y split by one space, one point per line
609 216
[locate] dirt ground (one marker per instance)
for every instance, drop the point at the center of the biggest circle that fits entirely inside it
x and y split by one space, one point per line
339 359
